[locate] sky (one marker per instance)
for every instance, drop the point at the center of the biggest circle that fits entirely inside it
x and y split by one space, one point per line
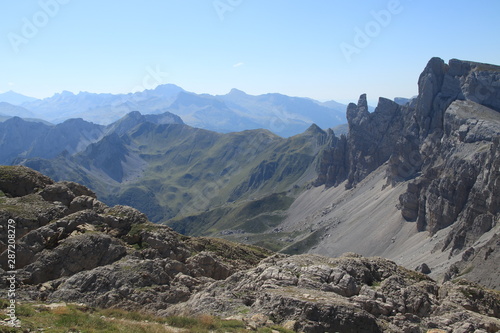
321 49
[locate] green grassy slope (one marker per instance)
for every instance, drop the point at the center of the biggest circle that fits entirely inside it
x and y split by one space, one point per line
205 181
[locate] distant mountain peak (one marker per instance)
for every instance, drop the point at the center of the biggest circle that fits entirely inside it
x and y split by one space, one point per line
313 129
15 98
134 114
235 91
64 93
235 111
168 88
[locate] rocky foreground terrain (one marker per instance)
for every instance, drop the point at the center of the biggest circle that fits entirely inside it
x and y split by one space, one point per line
71 247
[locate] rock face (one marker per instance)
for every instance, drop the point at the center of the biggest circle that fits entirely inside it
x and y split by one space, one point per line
369 143
457 123
371 135
73 248
444 145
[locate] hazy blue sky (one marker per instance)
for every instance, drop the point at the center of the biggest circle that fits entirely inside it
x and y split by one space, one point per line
295 47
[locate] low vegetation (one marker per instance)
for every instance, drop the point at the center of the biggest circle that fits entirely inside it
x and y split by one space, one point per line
79 318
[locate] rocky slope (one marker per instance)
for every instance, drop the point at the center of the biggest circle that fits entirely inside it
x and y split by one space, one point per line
351 293
427 171
65 236
71 247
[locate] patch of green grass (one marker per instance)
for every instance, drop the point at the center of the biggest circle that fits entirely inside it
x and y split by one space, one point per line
72 318
247 254
8 172
243 310
182 322
251 216
79 320
75 318
305 244
271 245
15 209
466 271
131 315
25 310
136 229
232 325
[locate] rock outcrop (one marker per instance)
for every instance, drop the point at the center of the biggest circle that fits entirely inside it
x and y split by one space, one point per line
348 294
84 251
20 181
444 145
72 247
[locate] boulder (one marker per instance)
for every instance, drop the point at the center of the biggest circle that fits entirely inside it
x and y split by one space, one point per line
18 181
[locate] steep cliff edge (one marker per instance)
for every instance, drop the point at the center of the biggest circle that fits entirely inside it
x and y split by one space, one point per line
439 157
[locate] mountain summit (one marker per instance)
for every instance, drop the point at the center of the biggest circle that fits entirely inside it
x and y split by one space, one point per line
14 98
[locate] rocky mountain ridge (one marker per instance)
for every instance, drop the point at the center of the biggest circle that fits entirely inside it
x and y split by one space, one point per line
14 98
442 147
72 247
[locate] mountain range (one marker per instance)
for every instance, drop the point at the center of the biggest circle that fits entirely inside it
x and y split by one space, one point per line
429 160
416 182
236 111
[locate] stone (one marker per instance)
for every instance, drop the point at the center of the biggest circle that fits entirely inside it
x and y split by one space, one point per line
58 192
18 181
423 268
290 325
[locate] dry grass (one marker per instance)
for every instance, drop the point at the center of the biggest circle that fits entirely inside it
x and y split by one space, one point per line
75 318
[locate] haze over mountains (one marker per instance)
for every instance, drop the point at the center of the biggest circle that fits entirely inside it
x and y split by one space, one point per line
236 111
